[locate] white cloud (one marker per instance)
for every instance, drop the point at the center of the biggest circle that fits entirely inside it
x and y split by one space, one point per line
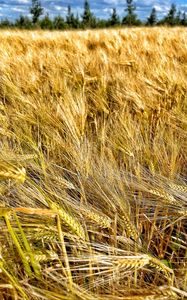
161 8
23 1
56 7
17 9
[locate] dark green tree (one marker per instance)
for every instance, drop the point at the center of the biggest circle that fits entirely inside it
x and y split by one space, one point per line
114 19
36 11
94 22
131 18
152 19
69 16
46 22
184 19
5 23
178 18
101 23
76 22
23 22
88 19
59 23
70 19
171 16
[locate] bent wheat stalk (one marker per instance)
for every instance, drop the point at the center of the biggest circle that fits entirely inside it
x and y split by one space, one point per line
17 174
69 221
165 196
102 221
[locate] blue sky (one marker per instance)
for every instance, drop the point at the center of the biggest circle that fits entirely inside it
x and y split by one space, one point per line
101 8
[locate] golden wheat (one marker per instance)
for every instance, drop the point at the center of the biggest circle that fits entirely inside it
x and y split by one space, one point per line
69 221
92 132
102 221
177 187
18 174
165 196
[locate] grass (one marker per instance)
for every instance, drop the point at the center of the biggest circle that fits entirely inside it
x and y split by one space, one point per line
93 172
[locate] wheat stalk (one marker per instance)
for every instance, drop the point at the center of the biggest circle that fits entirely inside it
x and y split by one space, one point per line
132 262
156 263
130 228
92 138
17 174
69 221
102 221
177 187
165 196
44 257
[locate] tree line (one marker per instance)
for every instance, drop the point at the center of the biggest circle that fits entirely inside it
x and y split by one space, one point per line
173 17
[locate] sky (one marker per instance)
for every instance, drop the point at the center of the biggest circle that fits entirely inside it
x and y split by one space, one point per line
11 9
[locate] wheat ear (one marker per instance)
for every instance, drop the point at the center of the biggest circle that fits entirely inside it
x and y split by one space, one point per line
130 228
41 257
17 174
159 265
165 196
69 221
134 262
177 187
102 221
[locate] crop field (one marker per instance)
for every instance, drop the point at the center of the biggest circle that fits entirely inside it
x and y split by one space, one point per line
93 164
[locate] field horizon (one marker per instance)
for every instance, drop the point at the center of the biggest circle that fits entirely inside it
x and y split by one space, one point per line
93 169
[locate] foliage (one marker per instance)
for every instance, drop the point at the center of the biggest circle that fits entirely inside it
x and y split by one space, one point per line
46 23
23 22
5 23
184 19
101 23
59 23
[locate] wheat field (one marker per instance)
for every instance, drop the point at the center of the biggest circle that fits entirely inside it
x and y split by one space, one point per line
93 169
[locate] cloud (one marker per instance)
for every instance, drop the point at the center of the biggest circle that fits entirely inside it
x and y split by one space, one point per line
23 1
57 7
17 9
101 8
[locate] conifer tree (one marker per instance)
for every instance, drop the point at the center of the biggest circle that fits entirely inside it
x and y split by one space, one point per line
171 16
71 20
178 18
76 23
88 19
59 23
23 22
5 23
131 18
46 22
152 19
36 11
184 19
114 19
69 16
